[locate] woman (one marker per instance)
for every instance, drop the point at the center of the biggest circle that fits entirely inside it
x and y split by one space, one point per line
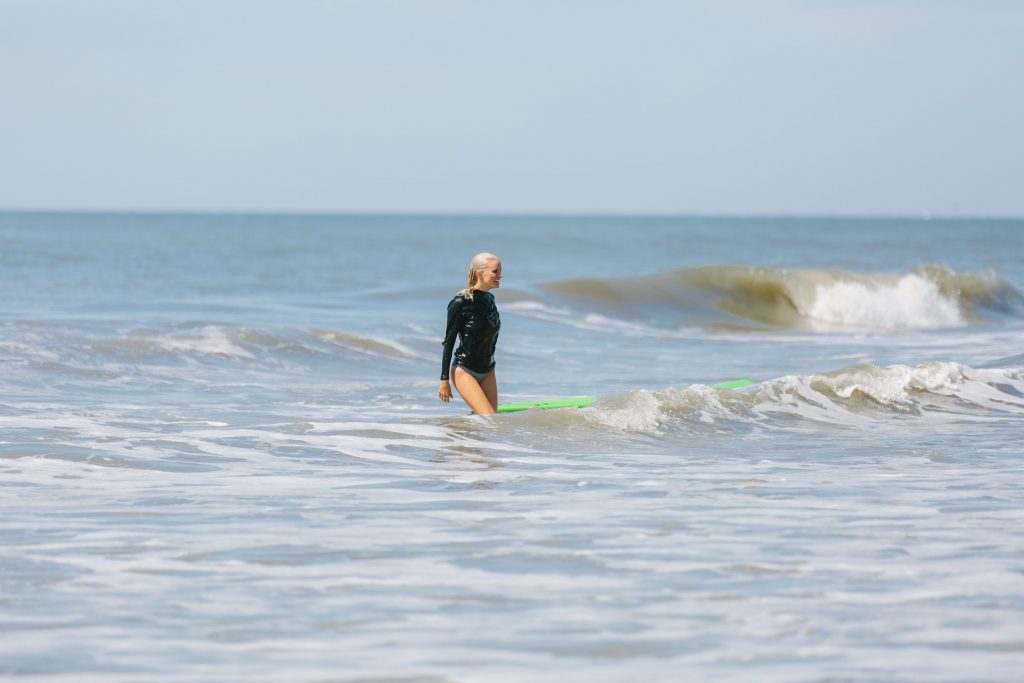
473 316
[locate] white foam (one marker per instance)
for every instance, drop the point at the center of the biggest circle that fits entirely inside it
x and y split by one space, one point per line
638 412
900 387
647 412
30 351
602 323
911 302
930 392
213 340
892 384
530 306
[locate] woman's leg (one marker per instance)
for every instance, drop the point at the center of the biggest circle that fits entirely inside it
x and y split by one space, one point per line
471 392
490 387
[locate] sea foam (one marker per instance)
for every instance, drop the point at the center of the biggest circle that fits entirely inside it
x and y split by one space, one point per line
861 396
911 302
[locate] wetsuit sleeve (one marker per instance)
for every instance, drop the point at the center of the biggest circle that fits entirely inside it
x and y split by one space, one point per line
450 333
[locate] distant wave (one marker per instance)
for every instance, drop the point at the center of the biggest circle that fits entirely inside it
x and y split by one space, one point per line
255 343
747 297
210 340
75 349
863 396
368 345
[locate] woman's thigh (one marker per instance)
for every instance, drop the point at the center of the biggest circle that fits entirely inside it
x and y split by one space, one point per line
471 392
490 387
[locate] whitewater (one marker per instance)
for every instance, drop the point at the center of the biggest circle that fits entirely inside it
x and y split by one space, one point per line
222 456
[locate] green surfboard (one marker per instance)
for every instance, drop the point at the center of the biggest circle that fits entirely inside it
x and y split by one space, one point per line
584 401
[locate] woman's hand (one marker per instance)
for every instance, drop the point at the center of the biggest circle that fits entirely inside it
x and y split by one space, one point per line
444 392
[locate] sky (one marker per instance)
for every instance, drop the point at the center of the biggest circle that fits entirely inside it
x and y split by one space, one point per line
780 107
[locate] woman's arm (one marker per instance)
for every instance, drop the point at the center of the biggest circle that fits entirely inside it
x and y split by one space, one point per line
451 332
444 391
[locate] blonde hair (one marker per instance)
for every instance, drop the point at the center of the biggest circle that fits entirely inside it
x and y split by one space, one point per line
478 263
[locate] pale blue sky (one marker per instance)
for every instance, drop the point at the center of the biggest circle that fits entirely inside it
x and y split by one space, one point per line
780 107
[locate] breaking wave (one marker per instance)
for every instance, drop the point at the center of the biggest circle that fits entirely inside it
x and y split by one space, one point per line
73 350
747 297
857 396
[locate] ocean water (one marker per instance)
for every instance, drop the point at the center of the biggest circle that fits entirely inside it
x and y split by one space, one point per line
222 456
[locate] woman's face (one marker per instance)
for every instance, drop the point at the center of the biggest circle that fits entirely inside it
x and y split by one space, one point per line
490 276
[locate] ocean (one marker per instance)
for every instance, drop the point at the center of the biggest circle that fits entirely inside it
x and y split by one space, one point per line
222 455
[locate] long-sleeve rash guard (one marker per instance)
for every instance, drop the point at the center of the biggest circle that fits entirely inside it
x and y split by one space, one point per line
477 322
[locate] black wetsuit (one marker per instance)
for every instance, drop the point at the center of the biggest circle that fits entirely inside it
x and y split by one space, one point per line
477 322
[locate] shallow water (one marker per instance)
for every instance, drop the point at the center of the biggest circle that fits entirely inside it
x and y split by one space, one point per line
223 456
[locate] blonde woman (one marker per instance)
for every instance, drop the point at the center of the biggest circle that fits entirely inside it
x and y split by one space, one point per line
473 316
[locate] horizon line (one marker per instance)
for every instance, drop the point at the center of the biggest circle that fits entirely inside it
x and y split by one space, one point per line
924 215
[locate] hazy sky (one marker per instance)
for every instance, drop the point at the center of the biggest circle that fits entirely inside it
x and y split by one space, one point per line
787 106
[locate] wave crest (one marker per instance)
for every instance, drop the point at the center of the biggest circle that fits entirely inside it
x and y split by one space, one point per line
735 296
859 396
